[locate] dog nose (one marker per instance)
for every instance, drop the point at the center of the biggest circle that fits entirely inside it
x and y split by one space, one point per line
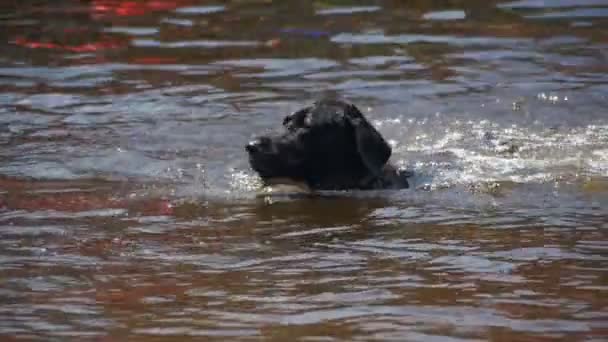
258 145
252 146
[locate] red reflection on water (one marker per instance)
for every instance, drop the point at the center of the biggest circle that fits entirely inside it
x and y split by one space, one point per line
153 60
82 202
86 47
91 20
19 194
133 8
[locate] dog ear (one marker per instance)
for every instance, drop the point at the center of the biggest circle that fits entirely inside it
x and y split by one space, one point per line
373 149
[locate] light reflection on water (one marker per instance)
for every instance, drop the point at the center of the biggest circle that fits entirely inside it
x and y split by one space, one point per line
127 208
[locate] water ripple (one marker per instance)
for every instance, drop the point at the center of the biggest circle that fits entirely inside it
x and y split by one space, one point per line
128 208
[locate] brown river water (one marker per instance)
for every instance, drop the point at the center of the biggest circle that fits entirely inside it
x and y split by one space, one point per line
128 210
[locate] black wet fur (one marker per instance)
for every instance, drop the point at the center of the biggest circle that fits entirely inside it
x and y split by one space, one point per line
328 146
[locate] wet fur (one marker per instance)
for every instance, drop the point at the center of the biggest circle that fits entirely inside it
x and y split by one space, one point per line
327 146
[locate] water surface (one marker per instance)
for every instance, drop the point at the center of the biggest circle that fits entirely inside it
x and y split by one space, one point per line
128 209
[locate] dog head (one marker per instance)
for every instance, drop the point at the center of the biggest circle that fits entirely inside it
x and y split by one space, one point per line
328 146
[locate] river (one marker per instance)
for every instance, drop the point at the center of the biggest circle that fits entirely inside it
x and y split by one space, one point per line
128 210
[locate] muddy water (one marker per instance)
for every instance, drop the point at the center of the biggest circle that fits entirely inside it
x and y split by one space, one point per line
128 211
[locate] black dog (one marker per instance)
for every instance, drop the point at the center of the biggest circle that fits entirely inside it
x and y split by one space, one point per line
328 146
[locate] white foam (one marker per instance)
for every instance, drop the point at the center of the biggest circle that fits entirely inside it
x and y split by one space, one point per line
470 152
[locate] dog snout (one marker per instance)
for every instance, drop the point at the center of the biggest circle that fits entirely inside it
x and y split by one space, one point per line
258 145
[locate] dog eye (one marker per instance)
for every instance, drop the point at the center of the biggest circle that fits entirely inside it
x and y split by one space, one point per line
265 141
296 119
